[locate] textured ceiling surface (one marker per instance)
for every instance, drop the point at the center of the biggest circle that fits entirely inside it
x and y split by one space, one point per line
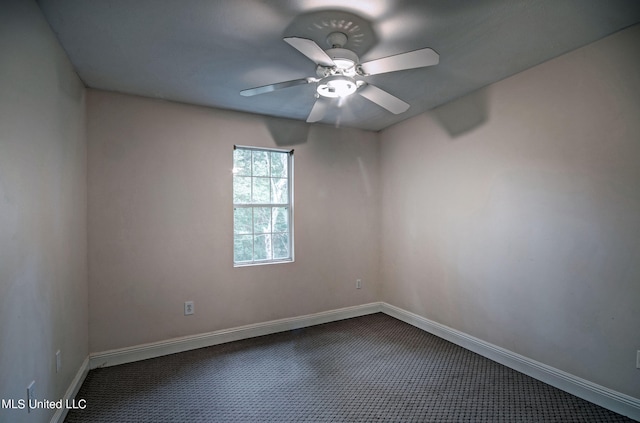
205 52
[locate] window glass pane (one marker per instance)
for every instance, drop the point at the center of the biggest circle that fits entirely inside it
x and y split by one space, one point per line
261 219
262 247
280 216
261 190
279 164
242 220
279 191
281 246
261 163
242 162
241 189
242 248
262 210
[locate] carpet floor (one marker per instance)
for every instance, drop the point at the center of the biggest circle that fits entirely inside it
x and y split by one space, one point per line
367 369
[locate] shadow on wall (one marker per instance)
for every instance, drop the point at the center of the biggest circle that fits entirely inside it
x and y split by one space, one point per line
287 132
463 114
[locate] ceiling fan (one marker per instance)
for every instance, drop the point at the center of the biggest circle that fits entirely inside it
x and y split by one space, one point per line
340 74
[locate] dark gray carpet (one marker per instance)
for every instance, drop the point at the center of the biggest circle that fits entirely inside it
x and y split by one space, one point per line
368 369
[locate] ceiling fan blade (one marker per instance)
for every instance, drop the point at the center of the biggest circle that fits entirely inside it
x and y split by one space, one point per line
318 110
272 87
383 99
410 60
310 49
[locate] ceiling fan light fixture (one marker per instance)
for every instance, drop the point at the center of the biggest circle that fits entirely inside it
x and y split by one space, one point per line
337 86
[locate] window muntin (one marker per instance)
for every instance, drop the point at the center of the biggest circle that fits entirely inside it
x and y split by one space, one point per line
262 206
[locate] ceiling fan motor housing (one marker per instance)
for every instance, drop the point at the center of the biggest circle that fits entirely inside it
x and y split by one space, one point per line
345 60
338 81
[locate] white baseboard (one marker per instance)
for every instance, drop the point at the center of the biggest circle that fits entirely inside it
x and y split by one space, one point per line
186 343
72 391
597 394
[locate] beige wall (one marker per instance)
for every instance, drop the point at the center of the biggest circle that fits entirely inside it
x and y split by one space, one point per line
43 255
161 224
524 230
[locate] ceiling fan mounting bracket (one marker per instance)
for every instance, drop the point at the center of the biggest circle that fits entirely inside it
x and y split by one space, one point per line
324 71
337 39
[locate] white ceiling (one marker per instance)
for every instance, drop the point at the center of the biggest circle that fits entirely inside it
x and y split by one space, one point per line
206 51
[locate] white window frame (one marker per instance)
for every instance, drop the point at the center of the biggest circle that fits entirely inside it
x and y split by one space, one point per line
288 205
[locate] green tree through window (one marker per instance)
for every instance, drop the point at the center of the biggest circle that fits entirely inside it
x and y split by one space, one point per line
262 206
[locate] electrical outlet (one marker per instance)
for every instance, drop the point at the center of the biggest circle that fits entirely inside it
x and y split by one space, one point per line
31 394
188 308
58 361
358 283
638 359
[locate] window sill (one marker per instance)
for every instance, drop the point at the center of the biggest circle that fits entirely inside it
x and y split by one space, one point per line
262 263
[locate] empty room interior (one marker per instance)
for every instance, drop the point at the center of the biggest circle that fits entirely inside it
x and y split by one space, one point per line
469 169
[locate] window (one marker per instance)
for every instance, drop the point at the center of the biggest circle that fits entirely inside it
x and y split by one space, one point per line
262 206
